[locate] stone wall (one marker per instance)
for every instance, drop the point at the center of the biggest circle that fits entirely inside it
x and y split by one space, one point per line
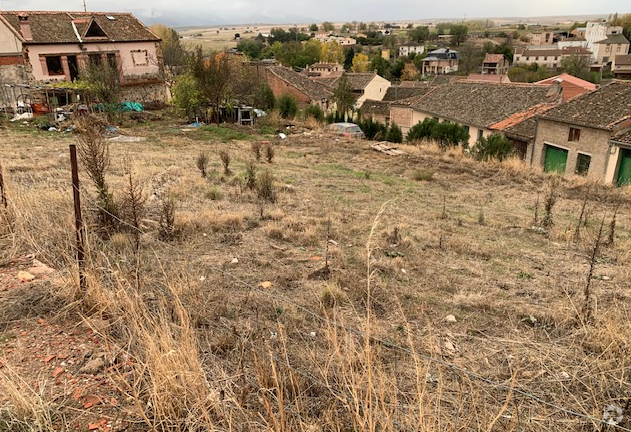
592 142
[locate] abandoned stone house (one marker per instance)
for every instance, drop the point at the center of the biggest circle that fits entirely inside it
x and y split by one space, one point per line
478 106
40 47
589 135
283 80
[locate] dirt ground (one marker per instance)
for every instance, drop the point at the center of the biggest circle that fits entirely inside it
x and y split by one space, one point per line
442 259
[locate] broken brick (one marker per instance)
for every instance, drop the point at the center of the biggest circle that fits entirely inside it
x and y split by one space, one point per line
77 394
58 371
48 358
90 401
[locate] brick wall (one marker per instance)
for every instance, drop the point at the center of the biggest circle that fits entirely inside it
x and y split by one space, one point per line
280 87
593 142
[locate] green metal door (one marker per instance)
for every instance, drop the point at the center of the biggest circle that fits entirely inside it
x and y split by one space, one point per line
555 160
624 171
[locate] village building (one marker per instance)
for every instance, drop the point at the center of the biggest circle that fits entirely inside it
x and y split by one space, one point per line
551 58
49 47
411 48
283 80
440 61
589 135
621 66
365 85
324 69
606 49
475 105
495 64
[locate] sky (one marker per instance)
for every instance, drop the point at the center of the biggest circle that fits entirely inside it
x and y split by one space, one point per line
177 13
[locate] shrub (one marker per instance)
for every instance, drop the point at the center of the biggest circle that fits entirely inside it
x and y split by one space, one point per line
256 149
372 129
265 186
494 146
394 134
423 174
450 134
213 194
314 111
287 106
202 163
269 153
421 130
167 218
264 97
445 133
225 161
250 174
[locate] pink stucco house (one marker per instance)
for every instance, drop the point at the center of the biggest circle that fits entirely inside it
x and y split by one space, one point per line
38 47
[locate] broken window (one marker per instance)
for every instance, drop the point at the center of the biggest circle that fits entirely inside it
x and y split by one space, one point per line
111 61
582 163
140 57
574 135
95 59
53 64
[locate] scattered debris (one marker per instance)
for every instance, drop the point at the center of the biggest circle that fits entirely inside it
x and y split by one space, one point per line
266 284
25 276
385 148
450 319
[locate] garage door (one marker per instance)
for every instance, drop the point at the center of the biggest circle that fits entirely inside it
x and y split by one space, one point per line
555 160
624 171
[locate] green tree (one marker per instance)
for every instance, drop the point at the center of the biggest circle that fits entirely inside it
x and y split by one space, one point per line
360 63
450 134
343 96
264 97
495 146
381 65
458 33
394 134
251 48
419 34
103 81
331 52
186 95
287 106
348 58
221 79
174 56
313 28
421 130
328 26
577 66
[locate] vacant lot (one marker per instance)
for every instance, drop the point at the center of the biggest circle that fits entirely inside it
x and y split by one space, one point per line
365 292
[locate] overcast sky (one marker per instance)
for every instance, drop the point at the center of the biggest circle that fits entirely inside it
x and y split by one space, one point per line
176 12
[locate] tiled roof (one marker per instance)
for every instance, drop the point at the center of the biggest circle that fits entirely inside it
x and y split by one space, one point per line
59 27
376 107
567 78
614 39
328 81
623 60
604 108
395 94
575 50
523 124
359 80
493 58
311 88
623 136
496 78
481 104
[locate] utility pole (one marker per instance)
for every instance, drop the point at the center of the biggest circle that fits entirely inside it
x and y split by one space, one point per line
85 9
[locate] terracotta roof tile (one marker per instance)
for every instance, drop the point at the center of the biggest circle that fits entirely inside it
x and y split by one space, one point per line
493 58
397 93
311 88
481 104
621 60
623 137
57 27
604 108
614 39
524 123
376 107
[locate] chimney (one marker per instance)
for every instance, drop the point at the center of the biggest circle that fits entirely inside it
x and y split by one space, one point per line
25 27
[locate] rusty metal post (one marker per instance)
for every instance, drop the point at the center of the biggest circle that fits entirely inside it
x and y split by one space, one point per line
77 215
3 193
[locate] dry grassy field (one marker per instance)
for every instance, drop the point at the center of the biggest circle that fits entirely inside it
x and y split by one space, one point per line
363 292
